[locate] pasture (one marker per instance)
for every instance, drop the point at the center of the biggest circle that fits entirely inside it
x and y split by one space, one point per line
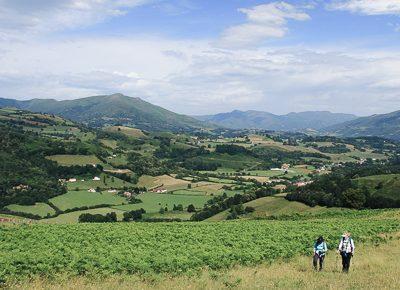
76 199
68 160
128 131
152 202
72 217
40 209
106 181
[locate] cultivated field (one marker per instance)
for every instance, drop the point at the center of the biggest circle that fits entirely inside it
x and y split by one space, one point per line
105 250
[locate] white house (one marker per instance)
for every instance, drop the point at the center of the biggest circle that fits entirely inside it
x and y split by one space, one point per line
72 180
96 178
112 190
127 194
91 190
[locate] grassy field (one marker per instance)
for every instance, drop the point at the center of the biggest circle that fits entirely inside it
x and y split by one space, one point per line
374 267
152 202
131 132
106 181
41 209
169 182
68 160
74 199
109 143
382 185
272 205
72 217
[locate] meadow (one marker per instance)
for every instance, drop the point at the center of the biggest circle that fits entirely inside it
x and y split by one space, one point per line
75 199
68 160
152 202
139 248
40 209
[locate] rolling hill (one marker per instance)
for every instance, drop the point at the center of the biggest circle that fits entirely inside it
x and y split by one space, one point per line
382 125
99 111
268 121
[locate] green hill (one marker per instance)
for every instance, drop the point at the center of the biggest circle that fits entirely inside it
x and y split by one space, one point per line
387 185
99 111
383 125
264 120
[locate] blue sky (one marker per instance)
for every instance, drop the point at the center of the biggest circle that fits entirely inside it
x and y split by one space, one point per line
206 56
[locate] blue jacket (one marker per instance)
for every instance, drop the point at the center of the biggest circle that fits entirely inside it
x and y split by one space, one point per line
320 249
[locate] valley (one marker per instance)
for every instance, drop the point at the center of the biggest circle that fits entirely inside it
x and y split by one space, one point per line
60 177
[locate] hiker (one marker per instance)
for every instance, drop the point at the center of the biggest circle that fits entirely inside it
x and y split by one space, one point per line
320 249
346 250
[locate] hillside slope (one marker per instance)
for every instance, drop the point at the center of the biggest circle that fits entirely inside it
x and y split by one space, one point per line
113 109
268 121
382 125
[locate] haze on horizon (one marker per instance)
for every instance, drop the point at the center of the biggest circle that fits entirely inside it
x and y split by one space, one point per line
204 56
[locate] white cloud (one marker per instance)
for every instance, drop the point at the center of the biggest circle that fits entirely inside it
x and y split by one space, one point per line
263 22
368 7
196 78
24 17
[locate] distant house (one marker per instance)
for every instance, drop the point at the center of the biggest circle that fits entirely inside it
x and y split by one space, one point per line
21 187
91 190
285 166
96 178
72 180
112 191
159 190
128 194
302 183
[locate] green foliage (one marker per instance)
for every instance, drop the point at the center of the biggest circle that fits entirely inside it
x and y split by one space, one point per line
98 218
107 249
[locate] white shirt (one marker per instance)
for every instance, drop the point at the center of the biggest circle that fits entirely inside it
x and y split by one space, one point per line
346 245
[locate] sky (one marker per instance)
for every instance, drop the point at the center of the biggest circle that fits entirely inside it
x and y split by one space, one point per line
206 56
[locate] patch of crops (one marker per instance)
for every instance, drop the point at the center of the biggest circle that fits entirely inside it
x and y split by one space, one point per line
168 247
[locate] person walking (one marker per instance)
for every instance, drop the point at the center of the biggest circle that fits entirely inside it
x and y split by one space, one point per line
320 249
346 250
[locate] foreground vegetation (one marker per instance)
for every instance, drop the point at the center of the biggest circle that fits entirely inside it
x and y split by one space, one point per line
375 266
127 248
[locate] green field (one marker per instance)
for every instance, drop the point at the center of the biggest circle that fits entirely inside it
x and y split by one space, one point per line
271 205
74 199
72 217
382 185
106 181
40 209
69 160
131 132
127 248
152 202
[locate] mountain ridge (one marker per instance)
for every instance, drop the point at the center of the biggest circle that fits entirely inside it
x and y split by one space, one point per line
98 111
294 121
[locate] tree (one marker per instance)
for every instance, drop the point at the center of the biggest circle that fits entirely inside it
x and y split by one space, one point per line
353 198
191 208
162 210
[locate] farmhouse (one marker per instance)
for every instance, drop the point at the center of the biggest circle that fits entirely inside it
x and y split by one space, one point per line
302 183
72 180
21 187
96 178
285 166
128 194
112 190
91 190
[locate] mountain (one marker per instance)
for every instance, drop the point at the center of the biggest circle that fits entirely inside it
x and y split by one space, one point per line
289 122
113 109
382 125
